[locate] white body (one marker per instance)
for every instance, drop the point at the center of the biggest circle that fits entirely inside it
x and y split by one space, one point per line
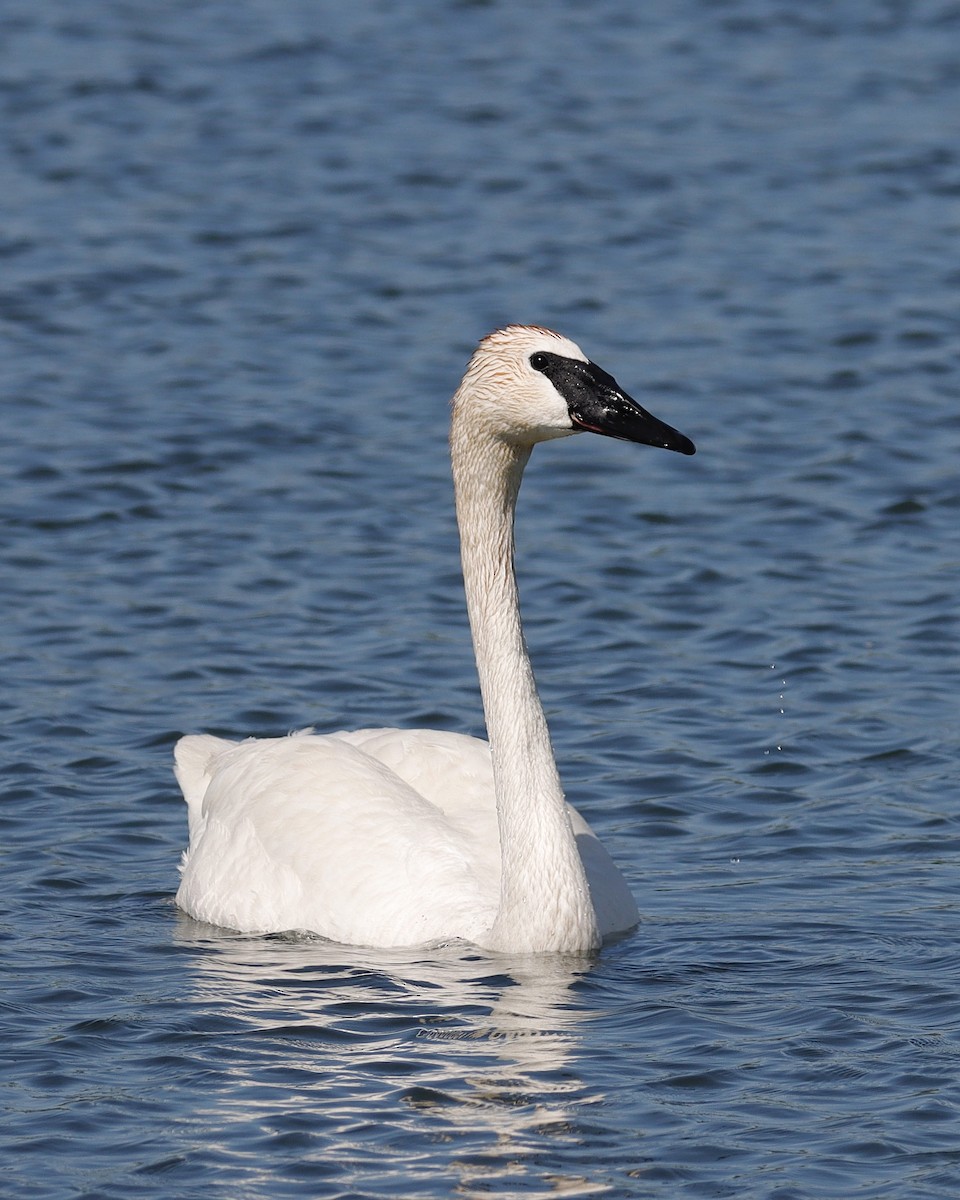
389 837
379 837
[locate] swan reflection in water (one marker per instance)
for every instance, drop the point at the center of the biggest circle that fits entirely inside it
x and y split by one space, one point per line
442 1047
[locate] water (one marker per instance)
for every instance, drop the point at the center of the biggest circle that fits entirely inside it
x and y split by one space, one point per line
246 251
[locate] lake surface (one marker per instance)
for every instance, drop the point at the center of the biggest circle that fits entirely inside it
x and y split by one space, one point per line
246 249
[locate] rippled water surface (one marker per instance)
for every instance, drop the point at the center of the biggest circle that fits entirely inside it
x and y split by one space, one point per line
245 252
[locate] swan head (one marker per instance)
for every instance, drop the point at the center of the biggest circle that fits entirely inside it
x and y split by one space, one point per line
526 384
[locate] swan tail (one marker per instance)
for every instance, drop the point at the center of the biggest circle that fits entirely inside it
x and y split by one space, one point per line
193 759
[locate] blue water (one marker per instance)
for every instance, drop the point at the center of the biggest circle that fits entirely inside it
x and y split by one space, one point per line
245 251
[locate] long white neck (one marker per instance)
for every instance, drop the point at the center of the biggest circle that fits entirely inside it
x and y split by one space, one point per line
545 902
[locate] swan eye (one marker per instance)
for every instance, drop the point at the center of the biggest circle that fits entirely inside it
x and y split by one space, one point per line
539 361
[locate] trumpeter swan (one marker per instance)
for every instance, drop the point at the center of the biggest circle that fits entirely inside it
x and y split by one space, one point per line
394 837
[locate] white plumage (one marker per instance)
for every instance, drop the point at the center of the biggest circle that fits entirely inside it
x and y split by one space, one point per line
392 837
